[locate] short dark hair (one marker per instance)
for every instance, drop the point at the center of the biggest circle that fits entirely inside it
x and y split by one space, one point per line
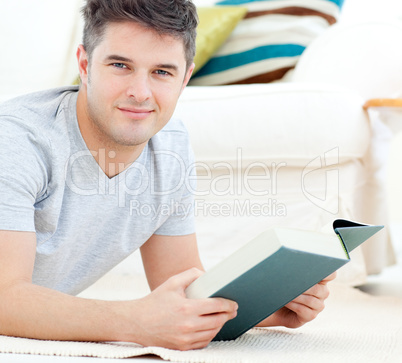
177 18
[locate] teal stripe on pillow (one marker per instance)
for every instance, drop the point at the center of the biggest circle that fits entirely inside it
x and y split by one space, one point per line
242 2
222 63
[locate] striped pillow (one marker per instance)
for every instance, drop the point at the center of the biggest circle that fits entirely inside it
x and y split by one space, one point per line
267 43
216 23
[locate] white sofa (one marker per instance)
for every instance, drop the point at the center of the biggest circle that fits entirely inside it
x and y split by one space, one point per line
299 153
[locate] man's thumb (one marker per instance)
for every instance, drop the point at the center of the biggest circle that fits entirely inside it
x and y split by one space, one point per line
185 278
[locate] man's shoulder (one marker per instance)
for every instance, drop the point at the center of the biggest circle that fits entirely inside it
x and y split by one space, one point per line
175 125
173 131
173 136
41 105
172 141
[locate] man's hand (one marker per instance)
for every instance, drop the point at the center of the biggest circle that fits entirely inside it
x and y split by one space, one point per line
303 309
169 319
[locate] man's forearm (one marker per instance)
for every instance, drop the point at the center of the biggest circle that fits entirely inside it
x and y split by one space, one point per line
27 310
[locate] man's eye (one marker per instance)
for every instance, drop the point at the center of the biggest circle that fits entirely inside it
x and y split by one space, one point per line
119 65
162 72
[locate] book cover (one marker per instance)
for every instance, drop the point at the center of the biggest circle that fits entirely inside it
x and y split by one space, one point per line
276 267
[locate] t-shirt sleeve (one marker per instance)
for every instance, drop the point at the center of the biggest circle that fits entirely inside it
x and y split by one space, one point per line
22 174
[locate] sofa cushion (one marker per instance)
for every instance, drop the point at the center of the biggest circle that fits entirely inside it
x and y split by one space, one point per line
268 41
215 25
284 122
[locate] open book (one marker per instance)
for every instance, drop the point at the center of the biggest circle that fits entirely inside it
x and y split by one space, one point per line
276 267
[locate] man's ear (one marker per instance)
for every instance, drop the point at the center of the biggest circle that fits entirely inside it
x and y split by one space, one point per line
188 76
82 59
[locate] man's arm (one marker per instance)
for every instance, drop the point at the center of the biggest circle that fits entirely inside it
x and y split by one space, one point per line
31 311
165 256
164 317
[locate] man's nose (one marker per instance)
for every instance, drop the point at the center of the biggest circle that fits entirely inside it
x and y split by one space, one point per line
139 88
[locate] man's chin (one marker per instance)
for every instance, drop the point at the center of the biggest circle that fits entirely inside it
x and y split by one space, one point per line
131 142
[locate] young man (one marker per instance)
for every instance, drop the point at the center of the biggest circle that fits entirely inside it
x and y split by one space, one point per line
72 162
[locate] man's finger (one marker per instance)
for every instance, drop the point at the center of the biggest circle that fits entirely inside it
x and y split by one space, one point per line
213 321
319 291
329 278
308 301
216 305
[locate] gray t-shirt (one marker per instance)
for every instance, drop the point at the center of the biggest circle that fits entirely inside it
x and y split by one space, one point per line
86 223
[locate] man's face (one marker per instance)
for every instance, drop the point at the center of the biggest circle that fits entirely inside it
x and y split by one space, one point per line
132 84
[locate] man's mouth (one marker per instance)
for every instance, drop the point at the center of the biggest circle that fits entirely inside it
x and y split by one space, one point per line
135 113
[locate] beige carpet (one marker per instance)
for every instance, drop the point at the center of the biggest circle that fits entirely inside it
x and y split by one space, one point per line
355 327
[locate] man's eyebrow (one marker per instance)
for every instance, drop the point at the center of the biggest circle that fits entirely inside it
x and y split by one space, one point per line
172 67
115 57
